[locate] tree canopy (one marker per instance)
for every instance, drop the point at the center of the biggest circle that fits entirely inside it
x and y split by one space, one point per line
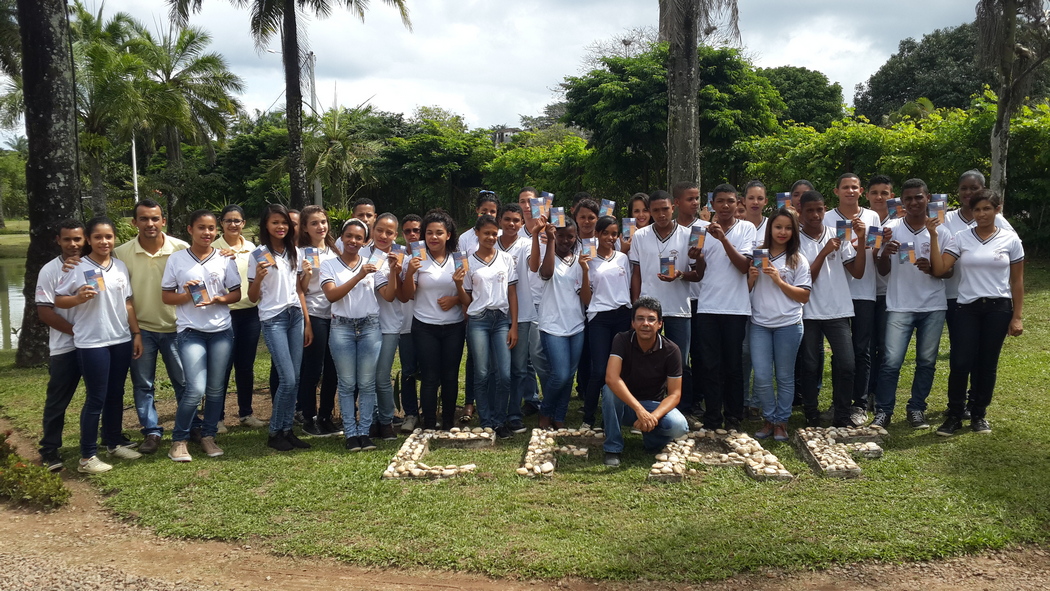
810 98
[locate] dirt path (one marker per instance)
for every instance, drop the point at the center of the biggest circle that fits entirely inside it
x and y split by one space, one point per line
84 546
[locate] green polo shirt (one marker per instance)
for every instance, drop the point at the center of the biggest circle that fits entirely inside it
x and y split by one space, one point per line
146 271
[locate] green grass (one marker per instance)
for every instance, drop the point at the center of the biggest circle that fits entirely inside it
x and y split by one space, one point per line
927 497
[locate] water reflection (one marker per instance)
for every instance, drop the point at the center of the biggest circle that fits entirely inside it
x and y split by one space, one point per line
12 276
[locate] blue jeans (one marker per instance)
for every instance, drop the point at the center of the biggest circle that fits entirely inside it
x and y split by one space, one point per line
927 327
105 369
540 366
406 352
558 389
284 338
775 349
317 365
522 381
680 330
384 383
64 376
615 414
487 336
355 344
246 331
601 330
144 373
205 357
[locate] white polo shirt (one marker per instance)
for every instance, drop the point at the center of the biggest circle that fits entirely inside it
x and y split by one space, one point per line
880 279
907 288
361 301
984 265
760 233
770 306
528 282
647 247
317 305
694 286
433 281
102 321
561 311
723 290
956 223
278 290
610 283
46 283
536 283
391 314
863 288
468 241
488 283
219 276
829 296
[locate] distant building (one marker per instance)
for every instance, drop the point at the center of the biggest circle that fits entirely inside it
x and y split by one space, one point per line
503 135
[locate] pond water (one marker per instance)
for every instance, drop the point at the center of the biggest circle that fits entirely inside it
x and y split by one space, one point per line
12 276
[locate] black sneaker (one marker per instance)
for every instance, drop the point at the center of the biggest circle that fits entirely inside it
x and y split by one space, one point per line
373 431
612 460
528 409
980 426
353 444
312 429
366 443
882 419
328 428
504 432
917 419
516 426
294 441
950 426
733 425
279 442
298 418
195 434
126 441
813 420
51 460
966 413
387 433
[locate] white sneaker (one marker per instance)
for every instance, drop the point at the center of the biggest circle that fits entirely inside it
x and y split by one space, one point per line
124 453
252 422
93 465
585 427
179 453
221 428
410 424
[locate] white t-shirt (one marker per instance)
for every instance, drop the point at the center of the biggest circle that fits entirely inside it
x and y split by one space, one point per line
391 314
278 291
863 288
535 282
561 311
760 233
955 223
102 321
433 281
407 310
907 288
694 286
488 283
723 290
219 276
647 247
984 266
610 283
361 301
317 305
520 250
770 306
46 283
880 279
829 297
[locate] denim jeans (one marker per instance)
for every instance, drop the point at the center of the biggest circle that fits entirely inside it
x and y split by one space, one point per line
566 350
878 345
384 383
246 332
927 327
773 352
842 367
63 378
522 380
540 368
487 335
284 338
144 373
600 330
439 351
979 330
205 357
355 344
721 365
862 326
468 384
406 352
615 414
105 369
317 365
680 330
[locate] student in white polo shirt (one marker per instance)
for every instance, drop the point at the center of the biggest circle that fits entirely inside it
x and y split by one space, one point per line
915 302
412 230
274 283
754 211
201 284
391 320
990 264
538 367
722 310
106 336
686 196
828 311
487 204
879 192
862 325
522 377
63 366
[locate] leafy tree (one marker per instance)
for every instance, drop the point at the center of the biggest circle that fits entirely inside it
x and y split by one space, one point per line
560 167
338 149
12 185
247 163
810 98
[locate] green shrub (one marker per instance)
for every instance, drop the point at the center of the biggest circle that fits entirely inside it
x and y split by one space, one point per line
25 482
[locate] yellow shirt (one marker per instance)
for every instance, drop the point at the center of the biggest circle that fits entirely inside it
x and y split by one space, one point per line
244 254
146 271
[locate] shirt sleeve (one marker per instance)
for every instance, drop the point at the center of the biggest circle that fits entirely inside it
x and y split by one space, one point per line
619 346
233 276
1000 220
382 276
252 264
512 270
848 253
746 243
945 238
468 282
1016 250
673 364
802 277
954 248
327 274
168 282
45 289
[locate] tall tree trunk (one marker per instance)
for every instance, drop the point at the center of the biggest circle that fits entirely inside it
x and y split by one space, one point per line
52 186
294 95
664 26
683 115
98 189
3 224
1000 141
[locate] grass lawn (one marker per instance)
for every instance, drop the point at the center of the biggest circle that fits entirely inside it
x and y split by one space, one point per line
927 497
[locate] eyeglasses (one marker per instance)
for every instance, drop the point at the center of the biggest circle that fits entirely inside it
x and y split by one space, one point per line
412 231
646 319
233 222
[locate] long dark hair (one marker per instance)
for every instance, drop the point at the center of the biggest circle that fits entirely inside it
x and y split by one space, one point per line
304 218
264 235
440 216
791 249
90 226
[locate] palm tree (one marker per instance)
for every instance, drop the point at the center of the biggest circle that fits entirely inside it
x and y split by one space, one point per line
337 148
267 18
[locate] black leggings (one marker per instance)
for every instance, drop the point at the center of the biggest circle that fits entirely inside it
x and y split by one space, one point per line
439 350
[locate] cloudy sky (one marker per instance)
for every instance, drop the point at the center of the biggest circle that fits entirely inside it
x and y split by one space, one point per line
493 60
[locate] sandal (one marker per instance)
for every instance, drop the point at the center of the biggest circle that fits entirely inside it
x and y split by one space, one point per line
468 413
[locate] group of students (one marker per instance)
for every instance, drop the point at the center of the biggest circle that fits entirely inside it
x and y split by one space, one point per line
530 294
